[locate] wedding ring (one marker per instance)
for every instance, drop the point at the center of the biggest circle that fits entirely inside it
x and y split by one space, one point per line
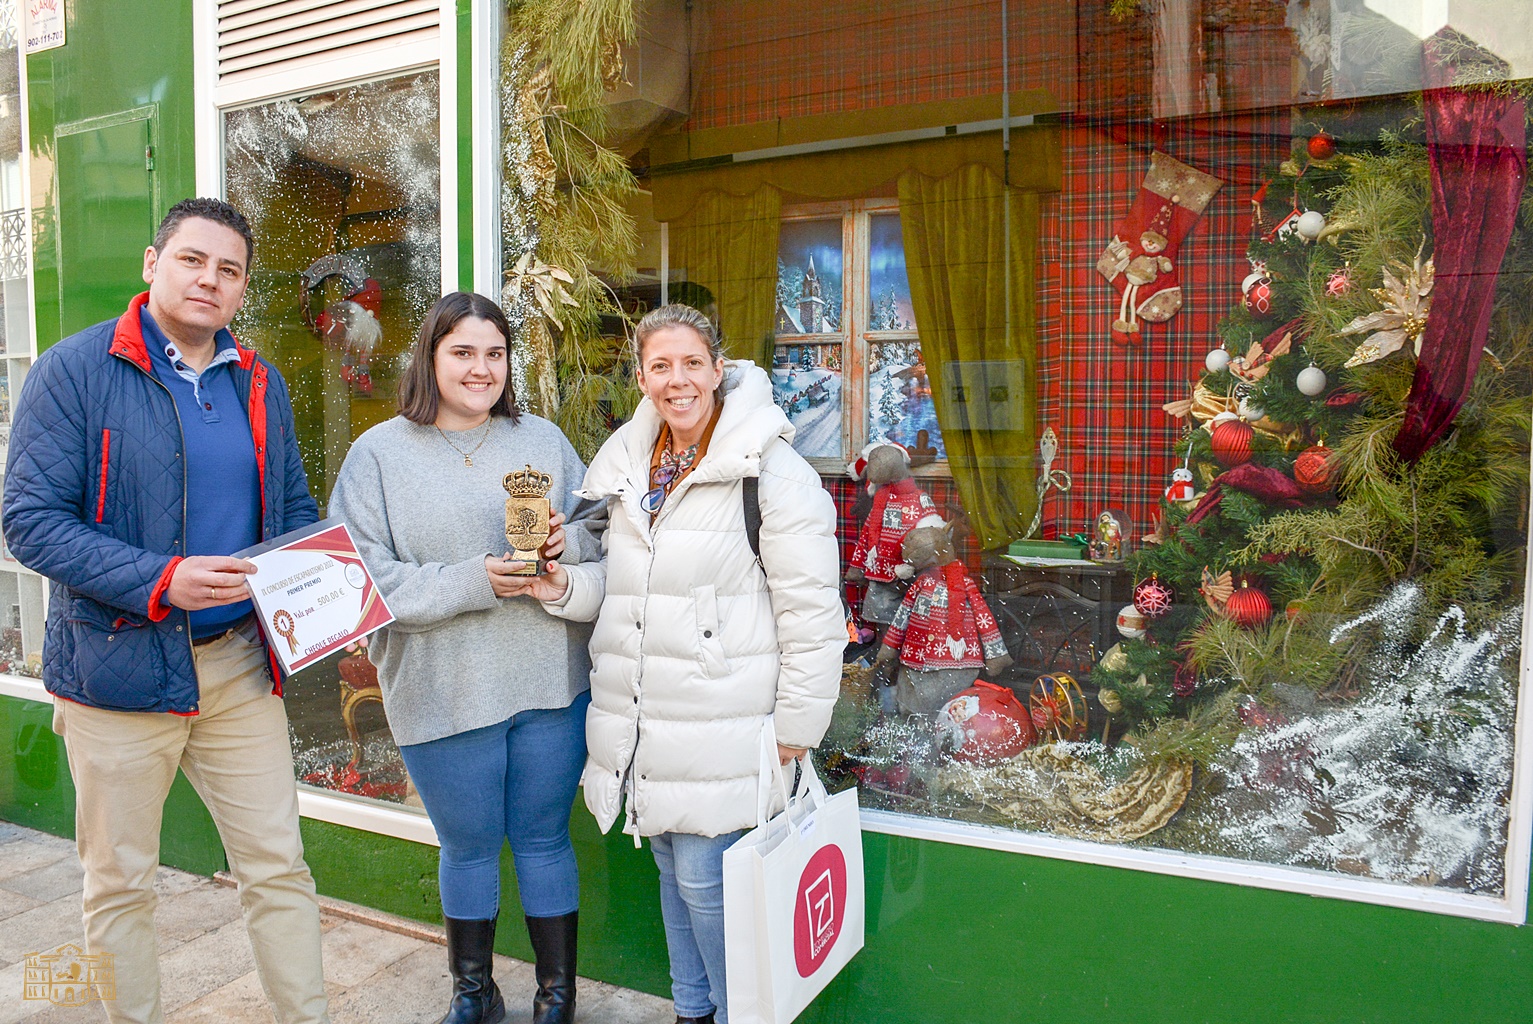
213 592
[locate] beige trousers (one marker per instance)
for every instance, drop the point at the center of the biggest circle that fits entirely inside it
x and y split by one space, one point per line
236 753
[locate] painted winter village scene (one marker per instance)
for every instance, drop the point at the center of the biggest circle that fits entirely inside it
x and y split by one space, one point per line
1316 658
807 365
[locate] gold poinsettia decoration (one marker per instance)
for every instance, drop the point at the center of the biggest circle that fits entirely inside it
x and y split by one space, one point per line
547 283
1403 318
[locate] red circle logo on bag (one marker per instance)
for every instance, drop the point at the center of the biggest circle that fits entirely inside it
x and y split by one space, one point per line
821 909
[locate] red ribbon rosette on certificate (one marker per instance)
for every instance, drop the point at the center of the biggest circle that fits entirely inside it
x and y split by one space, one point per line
313 594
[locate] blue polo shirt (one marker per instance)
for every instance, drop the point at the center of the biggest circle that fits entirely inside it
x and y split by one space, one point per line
223 485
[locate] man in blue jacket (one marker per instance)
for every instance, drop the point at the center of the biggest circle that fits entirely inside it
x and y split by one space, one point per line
144 451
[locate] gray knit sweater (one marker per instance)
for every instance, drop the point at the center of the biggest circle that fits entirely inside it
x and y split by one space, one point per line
457 657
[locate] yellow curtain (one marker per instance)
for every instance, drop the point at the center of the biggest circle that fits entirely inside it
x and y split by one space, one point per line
728 245
970 245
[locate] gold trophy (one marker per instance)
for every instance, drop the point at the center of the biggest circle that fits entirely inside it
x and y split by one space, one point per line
527 512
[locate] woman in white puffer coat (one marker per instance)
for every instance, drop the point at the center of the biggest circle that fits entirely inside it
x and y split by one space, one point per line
697 648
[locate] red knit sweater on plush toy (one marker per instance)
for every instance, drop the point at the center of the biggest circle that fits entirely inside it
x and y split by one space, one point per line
944 622
897 507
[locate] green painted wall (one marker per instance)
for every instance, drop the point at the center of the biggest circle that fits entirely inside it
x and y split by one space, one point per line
465 94
955 934
122 55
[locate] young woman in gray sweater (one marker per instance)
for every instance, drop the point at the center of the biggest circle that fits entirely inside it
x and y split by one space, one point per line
485 692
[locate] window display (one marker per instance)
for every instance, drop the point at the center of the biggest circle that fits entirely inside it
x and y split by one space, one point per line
21 591
1169 364
342 190
861 351
899 401
1208 508
1316 659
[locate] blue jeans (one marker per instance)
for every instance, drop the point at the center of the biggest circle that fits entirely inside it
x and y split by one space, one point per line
692 905
514 780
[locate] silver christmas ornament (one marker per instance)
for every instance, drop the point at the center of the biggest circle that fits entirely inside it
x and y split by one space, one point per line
1310 224
1311 381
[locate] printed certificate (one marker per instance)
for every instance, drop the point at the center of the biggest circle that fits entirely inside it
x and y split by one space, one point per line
312 593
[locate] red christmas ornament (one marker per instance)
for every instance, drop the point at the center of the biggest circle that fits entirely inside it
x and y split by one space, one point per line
1231 442
1259 300
1248 606
1153 598
1322 146
986 723
1315 470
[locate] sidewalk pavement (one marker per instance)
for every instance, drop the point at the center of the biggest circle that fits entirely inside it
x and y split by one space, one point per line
379 969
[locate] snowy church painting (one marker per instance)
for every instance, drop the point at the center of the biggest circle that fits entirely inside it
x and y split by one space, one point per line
806 366
816 320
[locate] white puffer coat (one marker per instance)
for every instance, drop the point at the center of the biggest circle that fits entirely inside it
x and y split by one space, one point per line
694 647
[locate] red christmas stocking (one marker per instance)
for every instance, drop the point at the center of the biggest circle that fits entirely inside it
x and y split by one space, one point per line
1140 261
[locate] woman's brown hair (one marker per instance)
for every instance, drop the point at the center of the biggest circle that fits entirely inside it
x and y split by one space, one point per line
418 394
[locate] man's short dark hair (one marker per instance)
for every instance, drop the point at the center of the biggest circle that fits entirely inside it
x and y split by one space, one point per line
215 210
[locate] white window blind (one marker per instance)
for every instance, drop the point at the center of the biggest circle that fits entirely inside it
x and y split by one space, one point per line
266 47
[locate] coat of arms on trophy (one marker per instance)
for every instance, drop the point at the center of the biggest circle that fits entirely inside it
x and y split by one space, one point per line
527 512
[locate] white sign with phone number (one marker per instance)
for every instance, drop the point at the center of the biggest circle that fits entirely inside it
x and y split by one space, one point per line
44 25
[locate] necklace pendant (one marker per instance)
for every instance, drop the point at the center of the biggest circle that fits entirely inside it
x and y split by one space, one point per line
467 461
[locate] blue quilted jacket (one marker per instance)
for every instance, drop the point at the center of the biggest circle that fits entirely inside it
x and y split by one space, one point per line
95 500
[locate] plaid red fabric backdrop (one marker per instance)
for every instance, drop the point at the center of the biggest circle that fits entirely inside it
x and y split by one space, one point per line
757 61
1103 399
761 60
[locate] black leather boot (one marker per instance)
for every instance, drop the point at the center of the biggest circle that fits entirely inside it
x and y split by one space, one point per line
470 958
695 1020
553 947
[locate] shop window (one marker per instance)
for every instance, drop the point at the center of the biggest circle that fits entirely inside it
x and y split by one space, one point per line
1209 643
1126 323
846 363
343 192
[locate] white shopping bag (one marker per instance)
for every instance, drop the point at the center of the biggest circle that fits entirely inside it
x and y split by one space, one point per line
793 899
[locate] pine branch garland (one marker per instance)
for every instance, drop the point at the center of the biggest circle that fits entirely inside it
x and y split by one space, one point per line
565 203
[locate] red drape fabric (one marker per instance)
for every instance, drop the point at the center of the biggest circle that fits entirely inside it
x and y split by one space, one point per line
1477 150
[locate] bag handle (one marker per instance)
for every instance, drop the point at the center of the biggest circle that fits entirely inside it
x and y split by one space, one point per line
809 785
768 768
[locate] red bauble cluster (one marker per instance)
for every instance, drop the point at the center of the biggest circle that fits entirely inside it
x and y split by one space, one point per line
1153 598
1259 300
1322 146
1315 469
1231 442
1248 606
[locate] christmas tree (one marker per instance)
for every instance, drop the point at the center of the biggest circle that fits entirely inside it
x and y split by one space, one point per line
1316 496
